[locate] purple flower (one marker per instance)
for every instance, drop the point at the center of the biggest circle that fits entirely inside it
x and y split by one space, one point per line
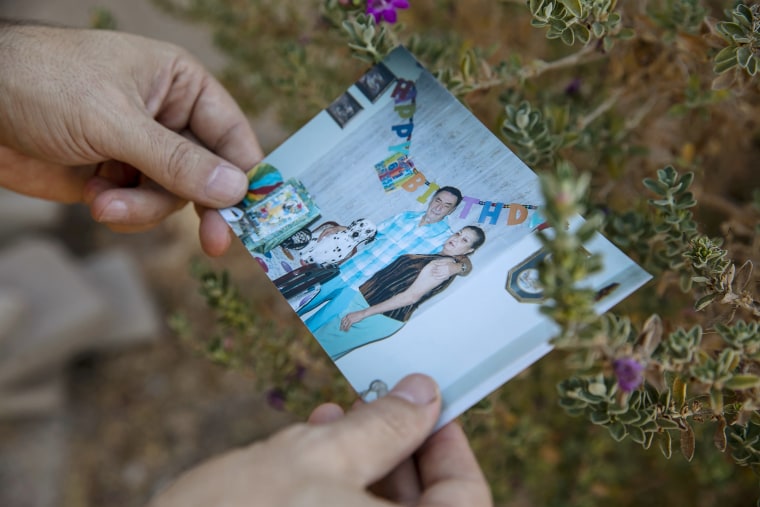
628 373
276 399
385 10
574 87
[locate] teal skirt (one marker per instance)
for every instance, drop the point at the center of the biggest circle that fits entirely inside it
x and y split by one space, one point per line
338 343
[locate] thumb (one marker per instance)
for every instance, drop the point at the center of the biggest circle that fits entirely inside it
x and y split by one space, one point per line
374 438
180 165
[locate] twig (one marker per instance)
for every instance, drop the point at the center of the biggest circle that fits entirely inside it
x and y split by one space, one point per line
538 67
600 110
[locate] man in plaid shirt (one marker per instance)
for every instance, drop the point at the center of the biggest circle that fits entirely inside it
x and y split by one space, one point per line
421 232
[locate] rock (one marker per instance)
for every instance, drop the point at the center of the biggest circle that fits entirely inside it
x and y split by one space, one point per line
12 307
22 214
45 396
64 312
56 308
131 310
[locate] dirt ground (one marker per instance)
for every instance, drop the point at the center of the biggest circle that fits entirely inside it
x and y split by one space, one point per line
140 416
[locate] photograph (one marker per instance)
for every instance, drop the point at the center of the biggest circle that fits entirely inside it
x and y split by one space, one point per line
375 81
419 250
344 109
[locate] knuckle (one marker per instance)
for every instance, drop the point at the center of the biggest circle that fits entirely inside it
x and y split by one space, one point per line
228 137
183 160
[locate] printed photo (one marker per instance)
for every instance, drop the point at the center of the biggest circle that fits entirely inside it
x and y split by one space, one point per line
410 242
344 109
375 81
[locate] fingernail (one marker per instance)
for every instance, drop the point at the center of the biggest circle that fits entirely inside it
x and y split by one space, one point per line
418 389
115 211
226 184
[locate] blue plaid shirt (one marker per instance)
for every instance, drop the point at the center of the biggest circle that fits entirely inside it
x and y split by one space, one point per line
396 236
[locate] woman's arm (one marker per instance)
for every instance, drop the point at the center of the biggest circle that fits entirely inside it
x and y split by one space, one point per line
424 283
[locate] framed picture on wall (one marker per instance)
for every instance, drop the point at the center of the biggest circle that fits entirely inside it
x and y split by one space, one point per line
344 108
375 81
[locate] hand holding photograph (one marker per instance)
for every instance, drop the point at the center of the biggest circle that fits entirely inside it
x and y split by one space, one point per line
402 232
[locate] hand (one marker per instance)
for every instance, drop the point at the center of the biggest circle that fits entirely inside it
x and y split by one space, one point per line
375 455
443 269
350 319
132 127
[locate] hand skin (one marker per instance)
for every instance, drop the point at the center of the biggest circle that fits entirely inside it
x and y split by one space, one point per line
352 318
443 269
132 127
378 454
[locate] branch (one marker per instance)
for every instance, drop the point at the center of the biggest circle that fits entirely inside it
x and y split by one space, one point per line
600 110
538 67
